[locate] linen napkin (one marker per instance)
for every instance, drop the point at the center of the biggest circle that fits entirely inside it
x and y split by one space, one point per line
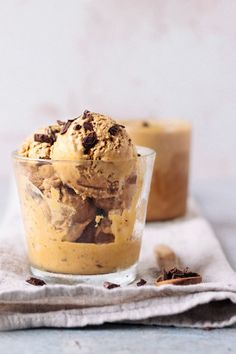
208 305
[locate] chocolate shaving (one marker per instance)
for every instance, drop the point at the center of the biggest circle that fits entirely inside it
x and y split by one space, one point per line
102 237
138 155
43 138
77 127
35 281
66 126
145 124
109 285
89 141
176 273
60 122
122 126
88 126
114 129
141 282
86 114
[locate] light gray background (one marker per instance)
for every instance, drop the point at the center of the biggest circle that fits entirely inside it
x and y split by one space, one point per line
126 58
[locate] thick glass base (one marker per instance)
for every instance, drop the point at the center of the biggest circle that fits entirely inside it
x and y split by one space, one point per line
122 277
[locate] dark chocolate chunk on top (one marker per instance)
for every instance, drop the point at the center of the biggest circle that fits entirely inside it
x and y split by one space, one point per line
90 141
66 126
88 126
43 138
114 129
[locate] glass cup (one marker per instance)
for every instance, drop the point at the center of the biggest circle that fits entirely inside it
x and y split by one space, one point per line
84 219
171 139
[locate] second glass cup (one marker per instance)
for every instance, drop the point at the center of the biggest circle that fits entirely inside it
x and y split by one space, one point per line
84 219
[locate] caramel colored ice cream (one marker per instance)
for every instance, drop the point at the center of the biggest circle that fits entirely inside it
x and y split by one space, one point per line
38 148
108 152
80 196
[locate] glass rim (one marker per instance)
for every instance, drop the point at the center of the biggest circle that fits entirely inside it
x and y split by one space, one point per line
143 153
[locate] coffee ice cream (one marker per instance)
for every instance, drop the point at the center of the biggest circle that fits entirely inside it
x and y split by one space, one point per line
169 189
79 183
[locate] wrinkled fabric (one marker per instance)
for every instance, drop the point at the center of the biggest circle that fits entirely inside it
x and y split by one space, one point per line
211 304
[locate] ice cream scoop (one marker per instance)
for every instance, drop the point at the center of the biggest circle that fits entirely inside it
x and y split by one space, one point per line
93 136
106 147
39 144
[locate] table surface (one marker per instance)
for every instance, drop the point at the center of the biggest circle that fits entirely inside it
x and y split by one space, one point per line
218 203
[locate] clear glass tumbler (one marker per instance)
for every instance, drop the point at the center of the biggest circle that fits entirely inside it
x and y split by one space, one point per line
84 219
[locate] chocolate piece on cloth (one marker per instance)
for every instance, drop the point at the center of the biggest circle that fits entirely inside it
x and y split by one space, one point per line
210 304
35 281
141 282
109 285
176 276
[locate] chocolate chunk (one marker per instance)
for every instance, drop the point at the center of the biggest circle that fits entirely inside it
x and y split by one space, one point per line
66 126
141 282
89 141
77 127
88 234
122 126
35 281
69 190
132 179
102 237
109 285
88 126
43 138
176 273
145 124
138 155
86 114
60 122
114 129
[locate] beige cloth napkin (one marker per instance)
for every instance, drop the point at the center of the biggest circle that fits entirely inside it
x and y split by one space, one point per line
210 304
